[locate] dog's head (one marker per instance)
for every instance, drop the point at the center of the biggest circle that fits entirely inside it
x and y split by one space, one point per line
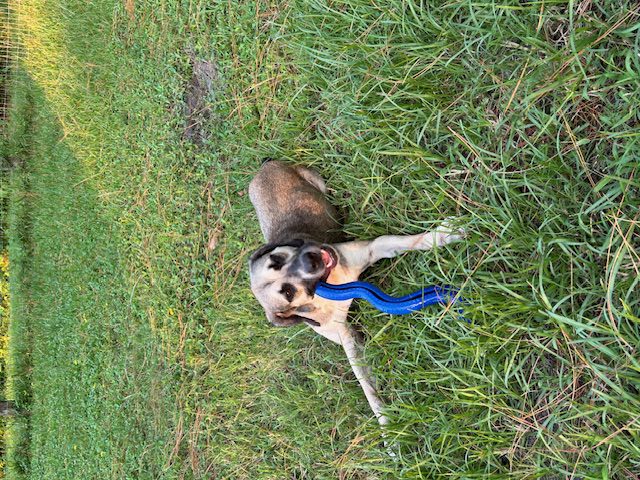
284 278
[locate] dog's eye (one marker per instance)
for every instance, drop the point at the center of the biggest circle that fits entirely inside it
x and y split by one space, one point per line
277 261
289 291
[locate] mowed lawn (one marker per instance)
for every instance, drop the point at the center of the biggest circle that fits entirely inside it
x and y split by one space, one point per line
136 348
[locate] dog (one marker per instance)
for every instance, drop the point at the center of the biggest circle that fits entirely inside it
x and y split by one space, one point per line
304 246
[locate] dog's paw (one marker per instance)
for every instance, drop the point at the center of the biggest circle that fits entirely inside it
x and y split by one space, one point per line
443 235
450 231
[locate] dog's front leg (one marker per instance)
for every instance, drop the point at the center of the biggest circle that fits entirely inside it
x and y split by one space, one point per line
360 255
362 372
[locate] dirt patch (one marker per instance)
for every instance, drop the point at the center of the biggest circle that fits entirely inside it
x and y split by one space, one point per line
198 99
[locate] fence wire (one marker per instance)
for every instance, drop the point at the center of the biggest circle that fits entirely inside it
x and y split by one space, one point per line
9 56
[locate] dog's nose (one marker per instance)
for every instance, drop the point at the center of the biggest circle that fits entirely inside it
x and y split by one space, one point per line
311 261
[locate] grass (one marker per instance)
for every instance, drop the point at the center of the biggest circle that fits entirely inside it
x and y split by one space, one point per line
135 343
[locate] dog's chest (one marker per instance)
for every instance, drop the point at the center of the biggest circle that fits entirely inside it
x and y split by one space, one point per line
331 314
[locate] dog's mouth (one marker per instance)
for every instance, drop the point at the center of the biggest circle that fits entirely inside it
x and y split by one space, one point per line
330 260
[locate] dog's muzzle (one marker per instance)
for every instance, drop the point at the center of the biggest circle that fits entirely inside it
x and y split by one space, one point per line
311 262
315 262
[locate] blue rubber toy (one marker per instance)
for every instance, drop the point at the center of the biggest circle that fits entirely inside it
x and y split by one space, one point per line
386 303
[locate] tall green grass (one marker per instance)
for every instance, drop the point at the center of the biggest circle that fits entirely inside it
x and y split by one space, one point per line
520 118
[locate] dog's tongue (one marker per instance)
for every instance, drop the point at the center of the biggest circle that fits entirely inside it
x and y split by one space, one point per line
327 259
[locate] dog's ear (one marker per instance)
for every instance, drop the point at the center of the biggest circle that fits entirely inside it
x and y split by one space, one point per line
270 247
279 321
288 321
263 250
306 320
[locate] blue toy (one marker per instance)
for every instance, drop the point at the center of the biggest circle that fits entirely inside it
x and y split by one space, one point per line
386 303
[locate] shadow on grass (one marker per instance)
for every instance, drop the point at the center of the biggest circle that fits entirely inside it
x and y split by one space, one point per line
15 171
83 363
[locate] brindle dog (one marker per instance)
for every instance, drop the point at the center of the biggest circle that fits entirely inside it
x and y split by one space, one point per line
305 246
